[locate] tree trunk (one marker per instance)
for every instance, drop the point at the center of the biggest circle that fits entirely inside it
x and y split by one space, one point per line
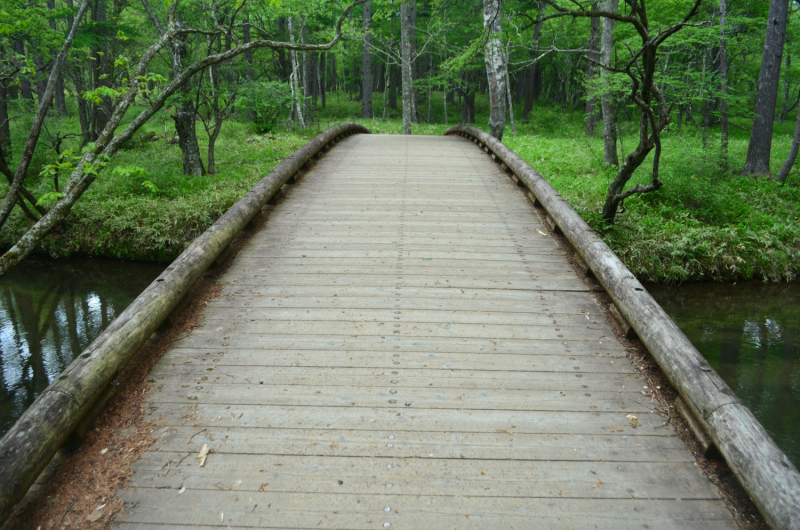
532 82
594 47
510 98
760 148
61 102
405 49
789 163
366 63
314 56
101 72
786 84
248 58
609 118
307 83
83 107
41 81
323 70
5 126
723 80
704 99
293 82
24 83
185 114
495 60
393 83
412 43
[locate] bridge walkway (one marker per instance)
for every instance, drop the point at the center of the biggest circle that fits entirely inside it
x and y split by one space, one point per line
403 346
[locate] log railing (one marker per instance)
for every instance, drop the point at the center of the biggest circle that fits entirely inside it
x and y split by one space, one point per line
769 477
32 441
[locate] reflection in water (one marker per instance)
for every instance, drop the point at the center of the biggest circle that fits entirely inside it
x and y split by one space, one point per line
750 333
50 312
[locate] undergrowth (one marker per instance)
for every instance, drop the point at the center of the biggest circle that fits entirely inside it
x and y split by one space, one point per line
706 223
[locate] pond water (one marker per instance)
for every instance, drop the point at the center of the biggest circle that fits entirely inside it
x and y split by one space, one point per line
50 312
750 333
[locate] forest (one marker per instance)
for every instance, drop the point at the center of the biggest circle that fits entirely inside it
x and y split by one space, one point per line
128 127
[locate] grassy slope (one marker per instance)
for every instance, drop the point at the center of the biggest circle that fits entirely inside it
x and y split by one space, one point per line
704 223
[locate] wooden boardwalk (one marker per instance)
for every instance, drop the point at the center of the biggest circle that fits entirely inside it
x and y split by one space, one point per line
403 346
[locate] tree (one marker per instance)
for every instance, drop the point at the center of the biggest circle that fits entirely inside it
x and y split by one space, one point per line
495 60
96 156
13 194
405 48
723 80
184 117
609 119
366 63
760 147
654 112
594 48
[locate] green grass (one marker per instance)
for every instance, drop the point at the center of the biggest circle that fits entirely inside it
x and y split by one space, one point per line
704 224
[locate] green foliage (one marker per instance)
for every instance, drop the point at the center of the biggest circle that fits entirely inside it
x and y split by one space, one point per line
49 198
96 95
268 100
704 224
137 176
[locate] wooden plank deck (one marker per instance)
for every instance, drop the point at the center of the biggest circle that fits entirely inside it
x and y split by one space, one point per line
402 346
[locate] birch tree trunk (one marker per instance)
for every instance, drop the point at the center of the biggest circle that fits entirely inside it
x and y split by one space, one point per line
366 63
293 77
760 147
609 119
508 93
405 50
495 60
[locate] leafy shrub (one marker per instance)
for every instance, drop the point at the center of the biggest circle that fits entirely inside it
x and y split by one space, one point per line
268 100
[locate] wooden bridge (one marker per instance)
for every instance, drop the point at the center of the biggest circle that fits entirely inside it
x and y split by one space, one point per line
404 345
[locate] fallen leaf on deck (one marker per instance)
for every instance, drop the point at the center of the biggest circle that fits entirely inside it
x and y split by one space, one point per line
203 454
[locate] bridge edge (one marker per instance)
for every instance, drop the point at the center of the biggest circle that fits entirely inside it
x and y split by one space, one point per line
765 472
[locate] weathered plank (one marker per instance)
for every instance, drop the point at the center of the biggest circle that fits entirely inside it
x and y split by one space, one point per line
332 510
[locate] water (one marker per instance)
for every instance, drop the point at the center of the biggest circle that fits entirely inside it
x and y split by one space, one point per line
50 312
750 333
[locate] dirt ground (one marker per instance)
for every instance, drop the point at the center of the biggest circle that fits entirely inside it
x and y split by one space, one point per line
90 476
